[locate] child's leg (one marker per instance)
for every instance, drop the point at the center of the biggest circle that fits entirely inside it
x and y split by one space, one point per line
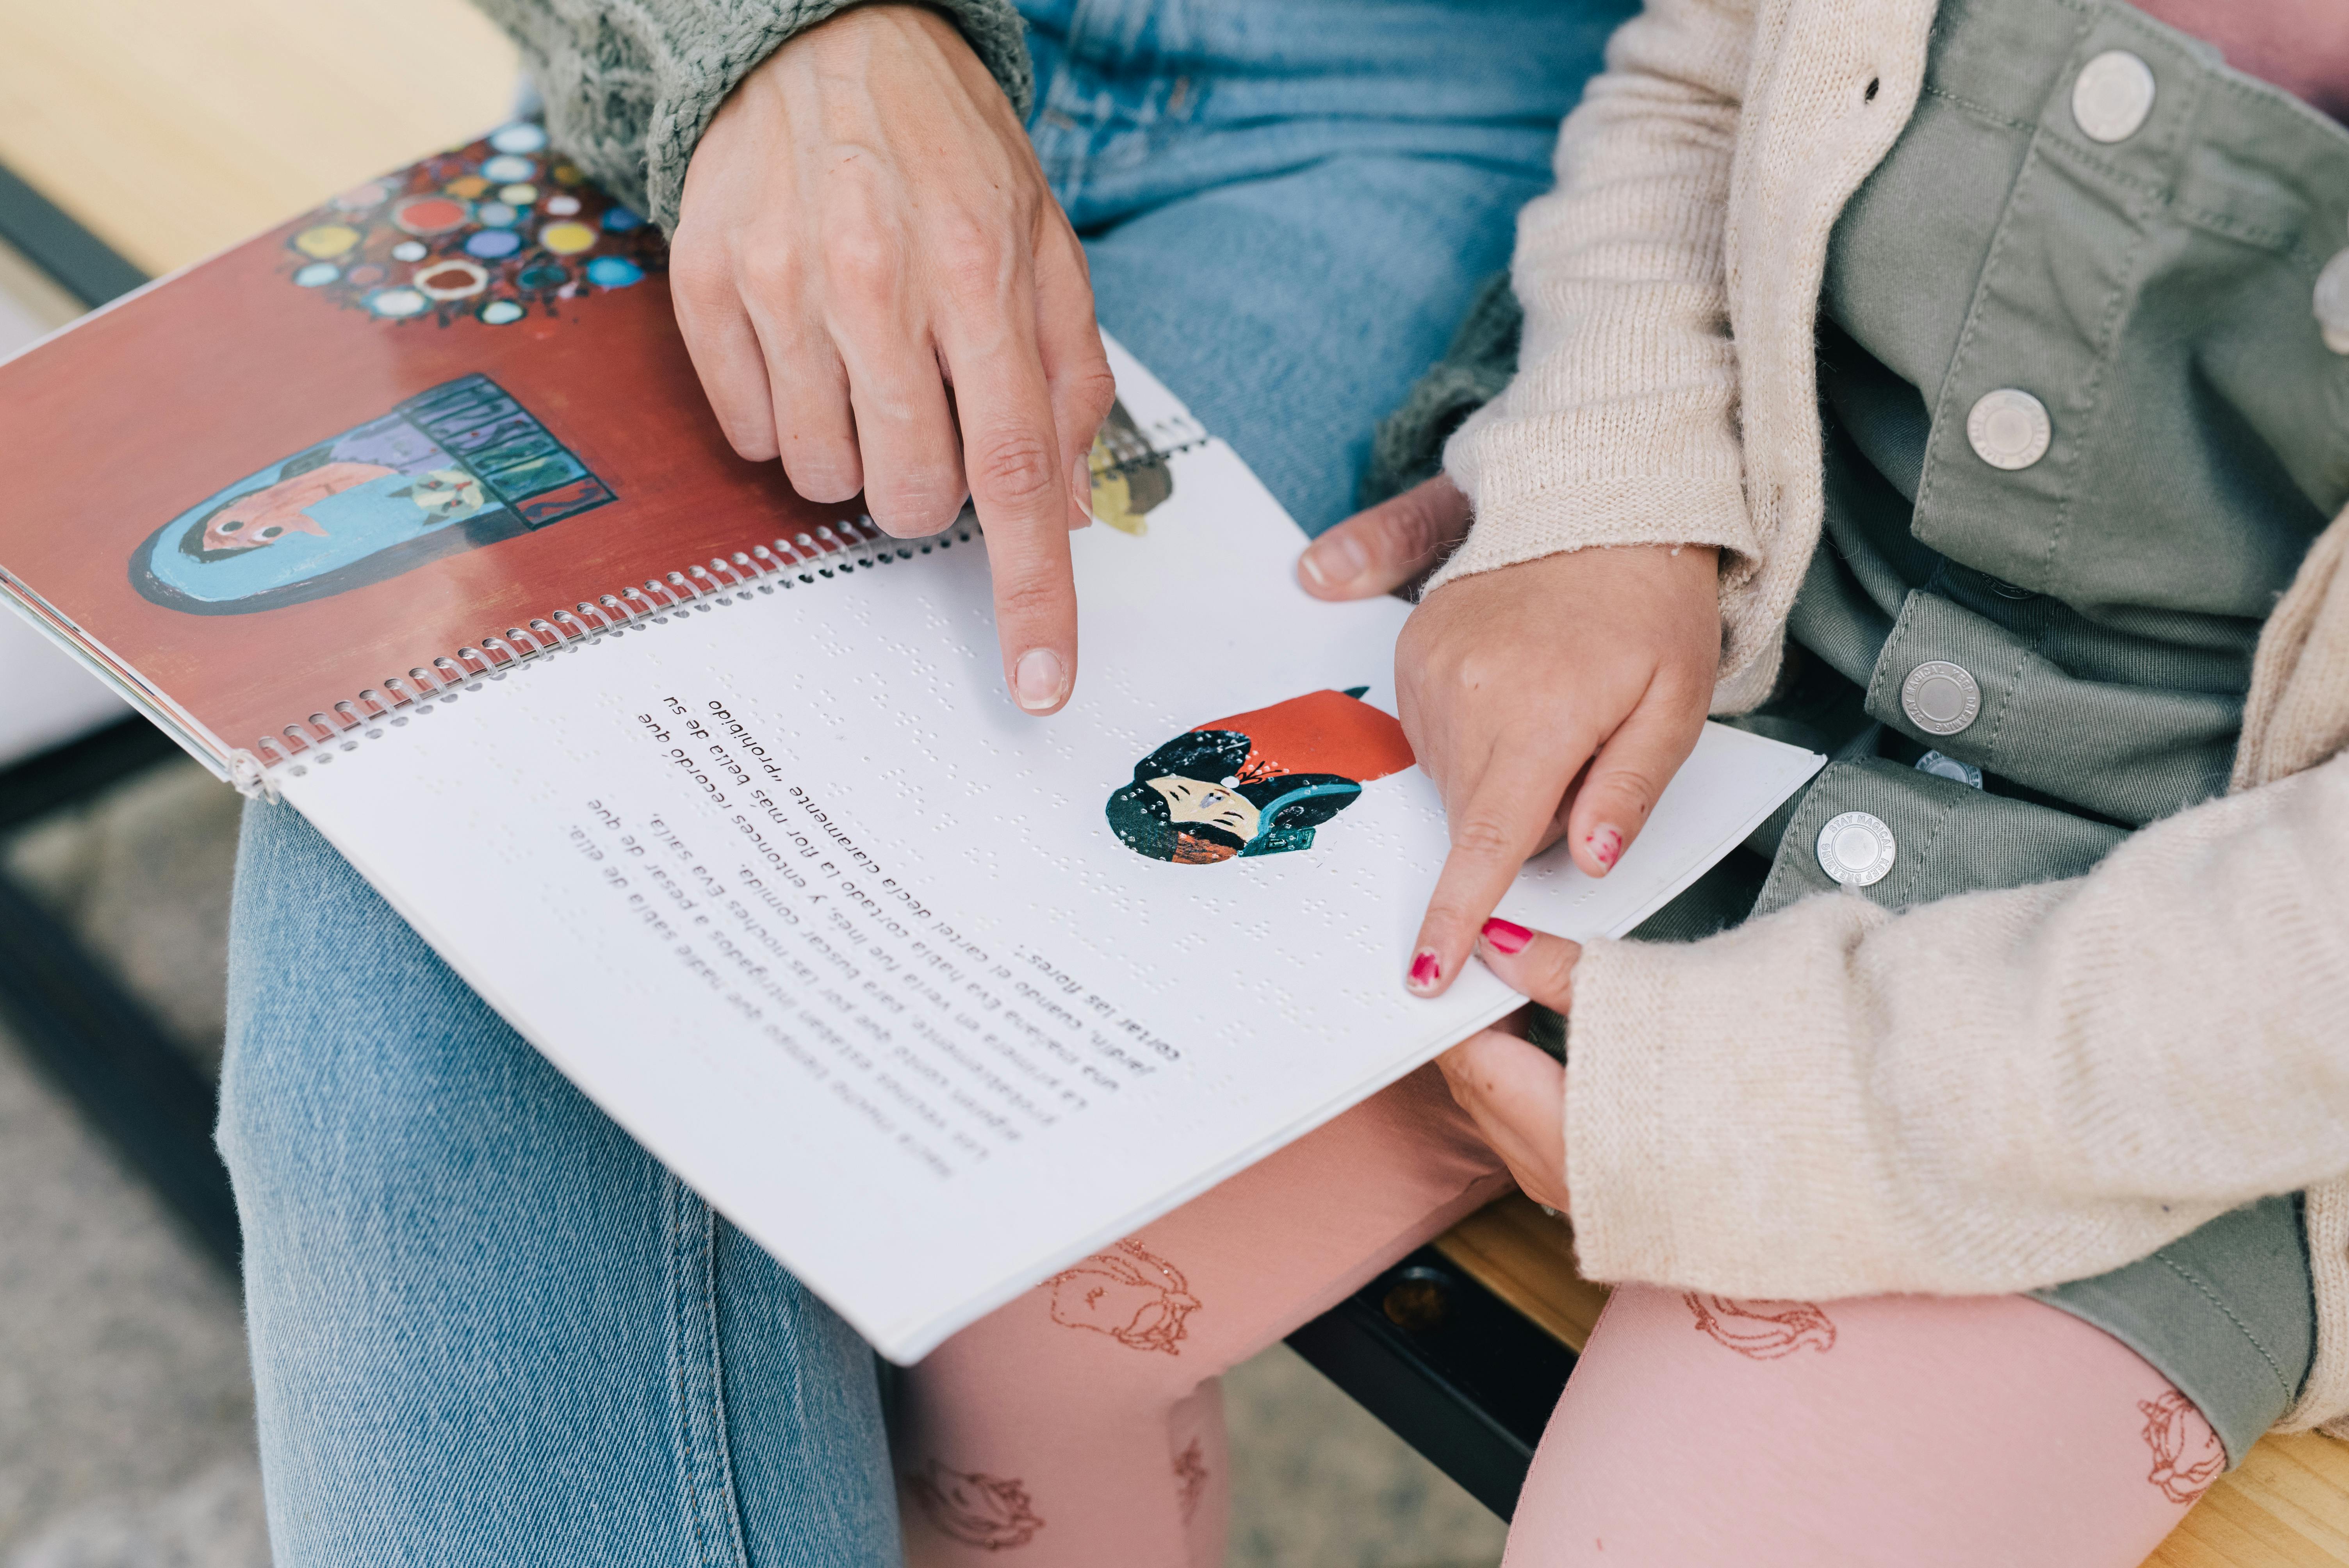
1081 1424
1907 1430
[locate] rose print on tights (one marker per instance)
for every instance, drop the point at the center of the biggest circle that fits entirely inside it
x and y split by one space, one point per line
2187 1454
1135 1297
1763 1330
1190 1479
977 1510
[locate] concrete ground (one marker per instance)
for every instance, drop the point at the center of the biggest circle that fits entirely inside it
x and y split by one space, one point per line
126 1413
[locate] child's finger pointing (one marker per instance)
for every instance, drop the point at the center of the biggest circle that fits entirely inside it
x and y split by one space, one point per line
1533 964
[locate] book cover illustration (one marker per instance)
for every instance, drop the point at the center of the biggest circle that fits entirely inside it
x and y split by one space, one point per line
493 231
360 483
460 466
1131 477
1257 783
400 393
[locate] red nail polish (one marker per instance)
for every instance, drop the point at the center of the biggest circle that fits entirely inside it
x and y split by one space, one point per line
1605 844
1505 935
1425 971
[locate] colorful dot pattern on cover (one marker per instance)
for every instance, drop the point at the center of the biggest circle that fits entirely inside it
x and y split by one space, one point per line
493 234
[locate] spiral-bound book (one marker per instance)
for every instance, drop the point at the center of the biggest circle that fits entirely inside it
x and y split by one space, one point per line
411 513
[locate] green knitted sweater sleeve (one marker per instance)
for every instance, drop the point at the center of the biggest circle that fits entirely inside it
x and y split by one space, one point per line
1409 445
630 85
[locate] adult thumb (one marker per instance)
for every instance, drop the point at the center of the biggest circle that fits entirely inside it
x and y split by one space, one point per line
1378 551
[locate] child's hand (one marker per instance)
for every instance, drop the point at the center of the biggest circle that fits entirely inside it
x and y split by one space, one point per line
1514 1091
1595 665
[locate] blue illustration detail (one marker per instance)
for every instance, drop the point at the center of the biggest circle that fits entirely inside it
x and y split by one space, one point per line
450 469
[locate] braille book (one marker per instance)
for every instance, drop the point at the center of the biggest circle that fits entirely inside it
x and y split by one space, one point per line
412 514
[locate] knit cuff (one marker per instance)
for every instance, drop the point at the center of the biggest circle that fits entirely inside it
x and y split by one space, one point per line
1577 515
1530 481
711 64
2324 1401
1715 1139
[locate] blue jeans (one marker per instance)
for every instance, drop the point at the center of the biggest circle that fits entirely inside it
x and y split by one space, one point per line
487 1327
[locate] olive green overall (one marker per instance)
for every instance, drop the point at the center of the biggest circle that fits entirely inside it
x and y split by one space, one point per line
2082 425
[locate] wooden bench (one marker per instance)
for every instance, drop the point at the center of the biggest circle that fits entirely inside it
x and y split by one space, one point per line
2286 1507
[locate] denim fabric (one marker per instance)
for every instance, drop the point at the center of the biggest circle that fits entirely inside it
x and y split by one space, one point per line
1288 204
487 1327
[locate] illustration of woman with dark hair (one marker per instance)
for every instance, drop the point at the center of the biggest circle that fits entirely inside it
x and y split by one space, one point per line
1257 783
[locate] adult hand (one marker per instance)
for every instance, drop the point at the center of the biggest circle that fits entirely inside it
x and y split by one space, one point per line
1514 1091
1389 546
876 285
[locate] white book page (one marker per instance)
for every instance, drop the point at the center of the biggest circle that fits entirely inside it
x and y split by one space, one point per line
795 893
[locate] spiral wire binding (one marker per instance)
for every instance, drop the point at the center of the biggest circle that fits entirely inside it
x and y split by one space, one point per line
829 550
1167 439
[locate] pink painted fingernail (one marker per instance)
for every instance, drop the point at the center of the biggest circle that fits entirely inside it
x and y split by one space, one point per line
1606 846
1505 935
1080 484
1424 971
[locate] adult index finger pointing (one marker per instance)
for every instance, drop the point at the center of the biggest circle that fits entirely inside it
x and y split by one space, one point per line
1019 485
1076 369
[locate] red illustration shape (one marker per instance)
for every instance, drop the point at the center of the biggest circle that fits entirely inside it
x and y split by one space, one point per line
1135 1297
431 215
2186 1453
1762 1330
1320 732
576 496
981 1510
1190 1478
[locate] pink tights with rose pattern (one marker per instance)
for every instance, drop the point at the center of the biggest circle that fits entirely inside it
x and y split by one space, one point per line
1081 1424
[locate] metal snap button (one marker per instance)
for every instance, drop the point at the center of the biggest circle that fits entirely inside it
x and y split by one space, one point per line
1856 848
1950 768
2009 428
2112 96
1941 697
2333 302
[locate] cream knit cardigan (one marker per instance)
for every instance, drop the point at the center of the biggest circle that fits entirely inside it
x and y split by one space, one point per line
1989 1093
